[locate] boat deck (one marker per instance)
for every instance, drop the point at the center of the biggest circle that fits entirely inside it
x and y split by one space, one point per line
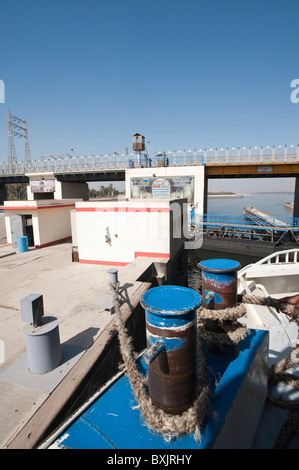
235 407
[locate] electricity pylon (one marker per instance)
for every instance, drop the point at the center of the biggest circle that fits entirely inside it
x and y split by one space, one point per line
17 127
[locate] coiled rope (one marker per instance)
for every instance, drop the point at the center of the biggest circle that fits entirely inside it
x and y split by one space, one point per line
190 422
277 374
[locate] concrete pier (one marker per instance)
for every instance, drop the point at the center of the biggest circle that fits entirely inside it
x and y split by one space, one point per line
263 218
72 292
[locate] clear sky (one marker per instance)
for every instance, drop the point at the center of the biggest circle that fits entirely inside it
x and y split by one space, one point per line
88 74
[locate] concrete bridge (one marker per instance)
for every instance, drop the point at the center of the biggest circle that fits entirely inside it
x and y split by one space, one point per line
252 162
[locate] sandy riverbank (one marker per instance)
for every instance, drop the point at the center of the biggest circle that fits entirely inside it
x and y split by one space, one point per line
213 196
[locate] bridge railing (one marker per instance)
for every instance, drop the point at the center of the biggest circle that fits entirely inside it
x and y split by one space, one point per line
97 163
220 156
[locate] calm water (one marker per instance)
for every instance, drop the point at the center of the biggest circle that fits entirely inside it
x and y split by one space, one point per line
269 202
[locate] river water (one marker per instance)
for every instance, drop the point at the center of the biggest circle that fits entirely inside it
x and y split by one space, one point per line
273 203
269 202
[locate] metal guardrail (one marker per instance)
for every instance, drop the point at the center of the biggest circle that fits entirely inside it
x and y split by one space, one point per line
266 155
240 222
96 163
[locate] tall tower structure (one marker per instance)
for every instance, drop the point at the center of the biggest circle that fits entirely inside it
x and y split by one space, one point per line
17 127
12 156
27 153
138 146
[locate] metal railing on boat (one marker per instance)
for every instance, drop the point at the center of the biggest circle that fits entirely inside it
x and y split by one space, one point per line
239 221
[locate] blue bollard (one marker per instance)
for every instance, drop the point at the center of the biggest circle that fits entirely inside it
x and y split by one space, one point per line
171 326
219 282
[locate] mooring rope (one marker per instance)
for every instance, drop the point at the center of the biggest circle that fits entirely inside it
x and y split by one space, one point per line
190 421
170 426
278 374
230 332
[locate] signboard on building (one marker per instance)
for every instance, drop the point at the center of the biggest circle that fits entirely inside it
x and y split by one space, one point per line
42 186
173 187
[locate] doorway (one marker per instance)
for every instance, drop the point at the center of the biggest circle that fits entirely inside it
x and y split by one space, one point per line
21 225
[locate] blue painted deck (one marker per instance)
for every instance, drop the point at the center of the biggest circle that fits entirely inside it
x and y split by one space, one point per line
111 423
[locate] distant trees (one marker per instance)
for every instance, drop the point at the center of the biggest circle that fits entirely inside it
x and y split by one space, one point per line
16 191
105 191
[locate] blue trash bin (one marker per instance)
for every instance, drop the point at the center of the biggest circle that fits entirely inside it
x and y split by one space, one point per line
22 244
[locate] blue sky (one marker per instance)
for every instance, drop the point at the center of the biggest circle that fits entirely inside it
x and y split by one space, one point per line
88 74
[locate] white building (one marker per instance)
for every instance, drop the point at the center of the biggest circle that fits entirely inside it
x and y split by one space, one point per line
117 232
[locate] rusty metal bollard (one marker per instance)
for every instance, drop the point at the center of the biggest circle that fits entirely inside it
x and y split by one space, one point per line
219 291
172 341
219 283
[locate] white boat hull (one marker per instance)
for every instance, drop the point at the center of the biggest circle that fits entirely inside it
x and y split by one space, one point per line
276 276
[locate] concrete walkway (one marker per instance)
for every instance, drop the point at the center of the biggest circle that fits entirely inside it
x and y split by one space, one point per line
74 293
